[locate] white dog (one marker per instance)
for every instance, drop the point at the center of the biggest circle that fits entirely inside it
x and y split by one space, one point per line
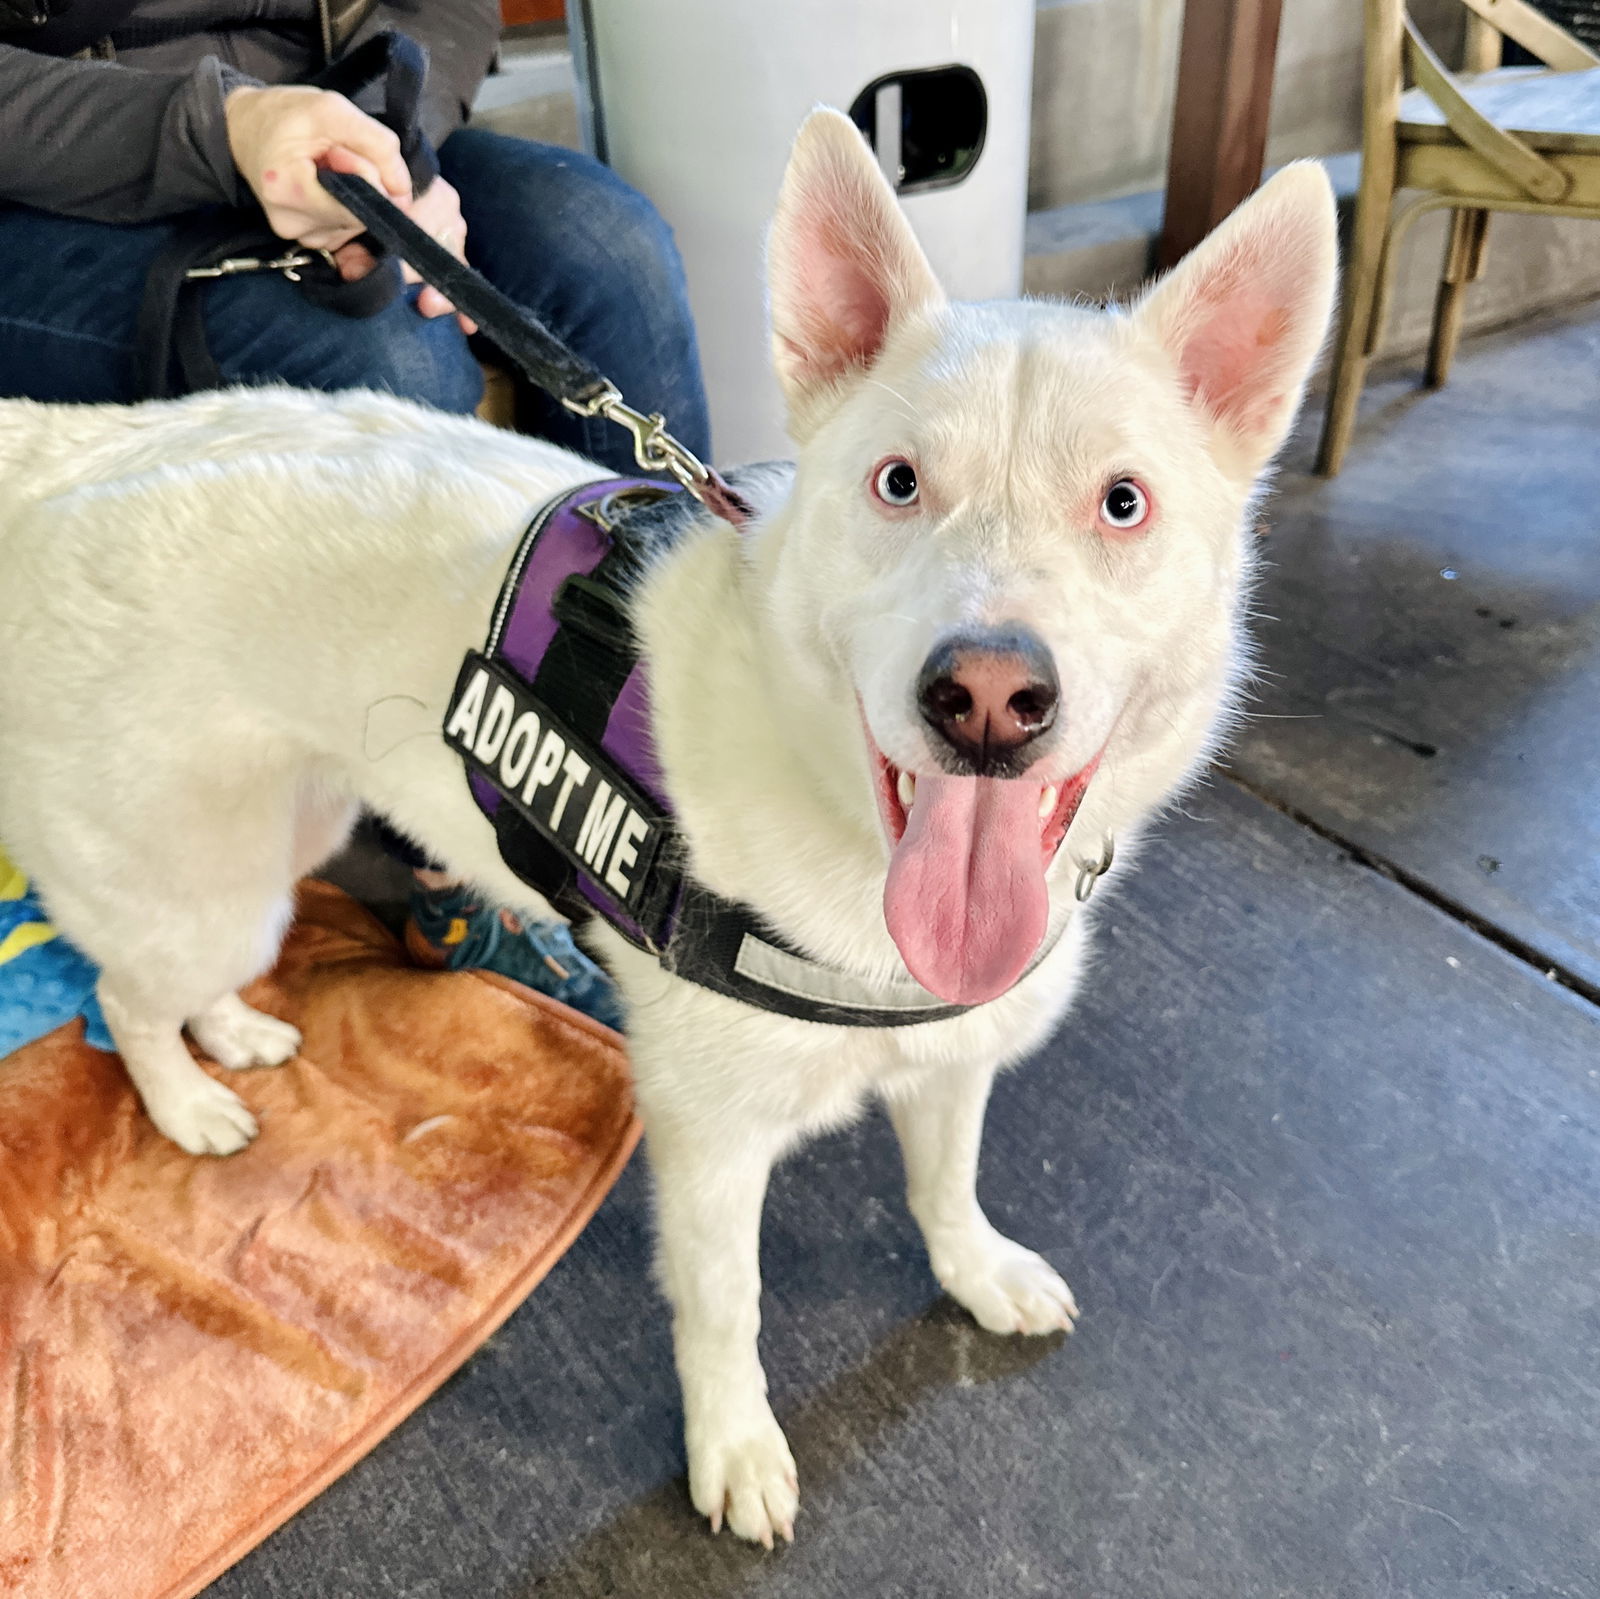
989 624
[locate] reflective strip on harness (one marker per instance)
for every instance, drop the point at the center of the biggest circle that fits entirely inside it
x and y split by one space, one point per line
803 979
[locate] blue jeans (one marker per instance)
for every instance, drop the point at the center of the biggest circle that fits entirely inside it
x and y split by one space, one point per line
555 230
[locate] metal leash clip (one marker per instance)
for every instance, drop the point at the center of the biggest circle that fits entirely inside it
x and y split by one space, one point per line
654 448
289 264
1090 872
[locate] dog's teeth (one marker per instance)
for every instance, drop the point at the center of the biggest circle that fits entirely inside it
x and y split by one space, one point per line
1047 803
906 788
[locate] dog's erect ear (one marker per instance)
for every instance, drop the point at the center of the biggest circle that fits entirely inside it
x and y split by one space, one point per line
843 267
1245 313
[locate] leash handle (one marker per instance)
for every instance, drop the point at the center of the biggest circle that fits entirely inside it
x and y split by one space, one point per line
540 356
400 64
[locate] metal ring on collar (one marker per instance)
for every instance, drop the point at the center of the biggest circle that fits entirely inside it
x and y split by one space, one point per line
1090 872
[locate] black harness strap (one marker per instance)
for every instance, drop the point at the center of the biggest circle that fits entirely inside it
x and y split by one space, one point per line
724 946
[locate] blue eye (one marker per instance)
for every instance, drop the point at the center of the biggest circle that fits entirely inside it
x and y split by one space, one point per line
896 483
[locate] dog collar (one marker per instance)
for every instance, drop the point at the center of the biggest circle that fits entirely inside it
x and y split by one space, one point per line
552 721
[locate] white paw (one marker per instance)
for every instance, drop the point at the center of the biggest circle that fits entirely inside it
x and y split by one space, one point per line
1007 1288
203 1117
741 1472
235 1036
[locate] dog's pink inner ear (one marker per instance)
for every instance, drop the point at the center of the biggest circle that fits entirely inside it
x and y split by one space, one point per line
844 269
1235 345
839 304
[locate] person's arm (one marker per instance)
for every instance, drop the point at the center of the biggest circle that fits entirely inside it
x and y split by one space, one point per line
113 143
461 37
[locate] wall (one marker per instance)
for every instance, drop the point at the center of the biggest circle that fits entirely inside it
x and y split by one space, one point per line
1105 70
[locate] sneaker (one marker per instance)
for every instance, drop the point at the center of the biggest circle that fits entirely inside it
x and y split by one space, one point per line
449 927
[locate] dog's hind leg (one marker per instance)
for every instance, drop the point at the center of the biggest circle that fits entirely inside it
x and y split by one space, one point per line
1007 1288
179 915
235 1035
186 971
147 1008
232 1033
711 1181
196 1112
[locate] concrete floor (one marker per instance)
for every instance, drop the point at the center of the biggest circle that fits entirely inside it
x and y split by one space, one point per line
1319 1151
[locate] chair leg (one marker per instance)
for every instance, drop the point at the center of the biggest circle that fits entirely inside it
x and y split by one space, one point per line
1463 264
1366 258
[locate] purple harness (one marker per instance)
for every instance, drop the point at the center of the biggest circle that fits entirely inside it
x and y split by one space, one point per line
552 721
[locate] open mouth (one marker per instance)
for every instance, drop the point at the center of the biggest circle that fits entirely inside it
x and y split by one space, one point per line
966 900
1057 804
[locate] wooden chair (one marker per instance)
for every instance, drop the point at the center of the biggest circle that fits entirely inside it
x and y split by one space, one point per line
1493 138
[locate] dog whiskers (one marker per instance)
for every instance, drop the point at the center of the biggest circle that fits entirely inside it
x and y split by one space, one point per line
909 412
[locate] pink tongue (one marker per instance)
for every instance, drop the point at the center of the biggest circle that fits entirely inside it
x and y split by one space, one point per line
966 901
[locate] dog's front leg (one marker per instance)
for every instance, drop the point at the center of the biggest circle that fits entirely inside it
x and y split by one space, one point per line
711 1182
195 1111
1007 1288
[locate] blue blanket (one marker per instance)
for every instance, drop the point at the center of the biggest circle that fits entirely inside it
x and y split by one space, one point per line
44 981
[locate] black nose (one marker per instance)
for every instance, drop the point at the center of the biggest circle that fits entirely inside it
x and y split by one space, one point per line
989 694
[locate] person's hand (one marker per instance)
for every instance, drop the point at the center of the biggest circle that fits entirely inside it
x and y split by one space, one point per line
280 136
437 211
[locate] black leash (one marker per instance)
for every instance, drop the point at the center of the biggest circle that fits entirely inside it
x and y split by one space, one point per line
542 357
535 351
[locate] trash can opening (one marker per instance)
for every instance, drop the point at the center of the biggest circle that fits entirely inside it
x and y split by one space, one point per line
927 126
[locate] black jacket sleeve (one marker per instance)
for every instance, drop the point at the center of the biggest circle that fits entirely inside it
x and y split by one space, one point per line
113 143
125 144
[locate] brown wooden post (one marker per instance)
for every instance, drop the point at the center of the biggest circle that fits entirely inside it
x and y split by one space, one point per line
1219 123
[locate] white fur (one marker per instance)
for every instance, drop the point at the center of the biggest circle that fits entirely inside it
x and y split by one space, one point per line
228 623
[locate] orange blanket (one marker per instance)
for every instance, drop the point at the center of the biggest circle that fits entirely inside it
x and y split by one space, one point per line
191 1349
